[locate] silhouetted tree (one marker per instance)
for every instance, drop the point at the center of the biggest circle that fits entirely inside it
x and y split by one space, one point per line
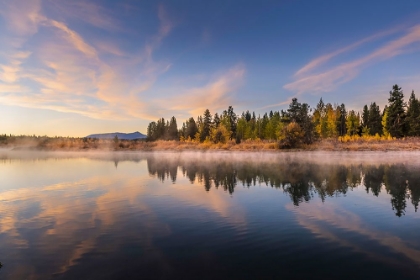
206 125
191 129
374 122
396 115
341 120
173 130
413 116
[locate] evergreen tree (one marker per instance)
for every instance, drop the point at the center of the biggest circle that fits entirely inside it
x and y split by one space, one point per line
299 113
374 122
247 116
206 125
365 116
341 115
232 121
160 129
395 123
216 120
151 131
173 130
413 116
191 129
264 122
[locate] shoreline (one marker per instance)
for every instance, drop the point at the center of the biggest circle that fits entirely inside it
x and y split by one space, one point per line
108 145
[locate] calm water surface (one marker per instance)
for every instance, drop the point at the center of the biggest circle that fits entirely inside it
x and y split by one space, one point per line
209 215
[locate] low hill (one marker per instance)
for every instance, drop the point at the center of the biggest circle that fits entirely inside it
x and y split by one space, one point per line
122 136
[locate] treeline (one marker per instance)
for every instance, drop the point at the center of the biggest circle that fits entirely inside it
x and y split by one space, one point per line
298 124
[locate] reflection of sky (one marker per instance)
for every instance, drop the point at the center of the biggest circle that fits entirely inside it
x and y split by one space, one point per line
75 201
63 212
367 218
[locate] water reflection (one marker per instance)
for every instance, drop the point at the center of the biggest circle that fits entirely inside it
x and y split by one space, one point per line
302 181
180 215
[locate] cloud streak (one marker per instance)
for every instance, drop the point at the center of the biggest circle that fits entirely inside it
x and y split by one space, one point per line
215 95
54 64
67 72
312 79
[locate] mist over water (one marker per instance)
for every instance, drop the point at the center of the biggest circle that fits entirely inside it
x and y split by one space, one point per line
193 215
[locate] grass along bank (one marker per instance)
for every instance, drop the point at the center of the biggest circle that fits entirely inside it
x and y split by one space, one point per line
346 143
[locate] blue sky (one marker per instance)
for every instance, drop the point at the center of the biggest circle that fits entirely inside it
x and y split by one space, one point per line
73 68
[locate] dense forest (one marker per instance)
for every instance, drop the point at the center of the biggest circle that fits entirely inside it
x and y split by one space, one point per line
299 124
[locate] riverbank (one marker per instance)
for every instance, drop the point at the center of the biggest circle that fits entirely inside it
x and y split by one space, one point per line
83 144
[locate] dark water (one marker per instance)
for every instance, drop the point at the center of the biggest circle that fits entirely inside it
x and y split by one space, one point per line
210 216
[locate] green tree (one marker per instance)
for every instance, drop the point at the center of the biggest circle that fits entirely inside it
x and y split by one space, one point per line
330 120
365 116
216 120
151 131
413 116
395 123
299 113
272 127
206 125
173 130
191 129
241 127
232 122
374 122
341 116
352 123
320 119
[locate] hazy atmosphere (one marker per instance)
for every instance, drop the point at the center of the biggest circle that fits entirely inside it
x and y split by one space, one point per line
73 68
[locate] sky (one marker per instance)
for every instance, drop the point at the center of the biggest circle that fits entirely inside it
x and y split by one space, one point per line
73 68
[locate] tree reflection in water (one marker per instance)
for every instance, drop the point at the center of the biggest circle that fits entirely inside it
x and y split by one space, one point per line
301 181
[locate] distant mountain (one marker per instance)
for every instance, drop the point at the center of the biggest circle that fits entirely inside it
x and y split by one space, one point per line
122 136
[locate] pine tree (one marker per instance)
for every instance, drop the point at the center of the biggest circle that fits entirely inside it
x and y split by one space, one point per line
298 113
232 121
395 123
173 130
206 125
341 116
365 116
413 116
216 120
151 131
191 129
374 123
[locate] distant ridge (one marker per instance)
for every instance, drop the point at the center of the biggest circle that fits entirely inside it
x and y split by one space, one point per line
122 136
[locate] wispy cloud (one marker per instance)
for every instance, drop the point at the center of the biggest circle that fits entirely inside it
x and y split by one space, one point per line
22 17
215 95
312 79
68 72
59 65
88 12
